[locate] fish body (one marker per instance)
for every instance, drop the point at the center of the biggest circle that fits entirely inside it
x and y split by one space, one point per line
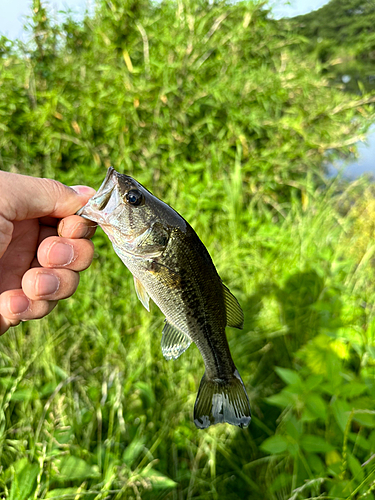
171 266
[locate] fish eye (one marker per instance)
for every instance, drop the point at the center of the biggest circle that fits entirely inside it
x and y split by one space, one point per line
134 197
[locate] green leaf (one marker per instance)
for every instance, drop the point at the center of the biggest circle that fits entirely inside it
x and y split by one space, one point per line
288 376
24 395
355 468
61 493
355 389
315 444
23 482
294 428
60 372
146 392
316 404
275 444
73 468
339 490
360 440
341 412
308 416
282 399
315 463
47 389
158 480
363 418
313 382
133 450
282 481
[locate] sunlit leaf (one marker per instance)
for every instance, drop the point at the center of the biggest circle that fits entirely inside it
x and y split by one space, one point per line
59 493
159 480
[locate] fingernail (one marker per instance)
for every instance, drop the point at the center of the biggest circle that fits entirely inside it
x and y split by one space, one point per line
60 227
84 190
60 254
46 284
18 304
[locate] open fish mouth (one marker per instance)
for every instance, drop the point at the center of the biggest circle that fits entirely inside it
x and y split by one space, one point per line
101 208
104 201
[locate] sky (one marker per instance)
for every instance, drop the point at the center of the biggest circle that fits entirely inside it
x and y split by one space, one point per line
14 12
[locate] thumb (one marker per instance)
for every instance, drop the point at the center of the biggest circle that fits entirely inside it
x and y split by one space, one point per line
23 197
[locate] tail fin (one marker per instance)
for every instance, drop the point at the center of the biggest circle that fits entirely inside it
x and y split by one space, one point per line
222 401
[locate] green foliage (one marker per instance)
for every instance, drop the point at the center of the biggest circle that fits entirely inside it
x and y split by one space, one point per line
218 116
151 100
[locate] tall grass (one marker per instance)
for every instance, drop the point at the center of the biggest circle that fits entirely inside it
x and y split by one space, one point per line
217 117
90 409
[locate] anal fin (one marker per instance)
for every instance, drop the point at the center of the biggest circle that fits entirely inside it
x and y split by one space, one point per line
142 294
174 341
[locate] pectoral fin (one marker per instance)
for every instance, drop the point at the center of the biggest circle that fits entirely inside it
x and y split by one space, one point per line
233 309
174 341
142 294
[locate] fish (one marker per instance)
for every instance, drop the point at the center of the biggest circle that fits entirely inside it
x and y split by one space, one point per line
171 266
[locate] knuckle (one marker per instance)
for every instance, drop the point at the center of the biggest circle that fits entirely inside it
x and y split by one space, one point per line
54 190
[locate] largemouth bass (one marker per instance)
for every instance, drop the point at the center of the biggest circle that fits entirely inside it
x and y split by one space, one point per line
171 266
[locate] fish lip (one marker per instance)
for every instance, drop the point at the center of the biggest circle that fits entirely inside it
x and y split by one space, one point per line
110 173
80 211
109 184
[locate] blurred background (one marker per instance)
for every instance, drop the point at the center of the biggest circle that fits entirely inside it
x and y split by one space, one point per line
242 116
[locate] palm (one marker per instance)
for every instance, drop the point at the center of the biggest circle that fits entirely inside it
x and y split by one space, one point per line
19 256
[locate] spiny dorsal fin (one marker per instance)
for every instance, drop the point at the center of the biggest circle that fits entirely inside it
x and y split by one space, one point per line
233 309
142 294
174 341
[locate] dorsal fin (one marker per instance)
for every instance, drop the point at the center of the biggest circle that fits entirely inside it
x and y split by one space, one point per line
233 309
142 294
174 341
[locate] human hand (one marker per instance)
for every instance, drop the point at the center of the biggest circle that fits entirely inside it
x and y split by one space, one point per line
43 246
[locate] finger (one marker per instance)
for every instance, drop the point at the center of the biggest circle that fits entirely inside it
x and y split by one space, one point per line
75 227
49 284
39 197
16 307
55 252
19 254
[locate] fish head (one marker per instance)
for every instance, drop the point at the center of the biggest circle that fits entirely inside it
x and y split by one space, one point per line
136 221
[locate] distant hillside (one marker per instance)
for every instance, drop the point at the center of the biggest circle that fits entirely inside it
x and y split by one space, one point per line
345 21
343 35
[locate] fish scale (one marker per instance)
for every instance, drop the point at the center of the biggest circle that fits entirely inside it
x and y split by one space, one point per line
171 266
